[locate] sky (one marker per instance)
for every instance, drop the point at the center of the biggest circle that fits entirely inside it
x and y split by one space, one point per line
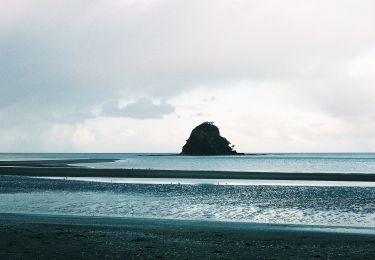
138 75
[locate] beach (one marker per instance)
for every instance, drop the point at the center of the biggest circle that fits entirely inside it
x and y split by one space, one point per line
47 218
60 237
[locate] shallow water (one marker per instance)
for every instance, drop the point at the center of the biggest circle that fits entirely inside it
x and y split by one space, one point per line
323 163
275 202
285 162
217 181
308 205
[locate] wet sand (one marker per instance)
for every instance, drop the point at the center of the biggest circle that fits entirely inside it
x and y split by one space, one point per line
64 168
52 163
62 237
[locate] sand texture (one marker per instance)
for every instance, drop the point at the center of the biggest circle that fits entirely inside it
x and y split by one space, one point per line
63 237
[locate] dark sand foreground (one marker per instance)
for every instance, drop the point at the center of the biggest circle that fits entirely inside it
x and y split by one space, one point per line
64 168
68 237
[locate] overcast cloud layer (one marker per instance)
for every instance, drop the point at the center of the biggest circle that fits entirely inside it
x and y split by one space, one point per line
137 75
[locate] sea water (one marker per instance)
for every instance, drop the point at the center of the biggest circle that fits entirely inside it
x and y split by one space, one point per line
304 203
271 162
274 204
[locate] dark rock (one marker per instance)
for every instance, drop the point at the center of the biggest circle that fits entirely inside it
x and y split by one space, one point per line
205 139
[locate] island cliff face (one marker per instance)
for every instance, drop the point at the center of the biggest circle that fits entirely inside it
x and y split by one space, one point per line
205 139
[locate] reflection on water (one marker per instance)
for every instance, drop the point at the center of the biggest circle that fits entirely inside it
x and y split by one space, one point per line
217 181
342 206
324 163
282 162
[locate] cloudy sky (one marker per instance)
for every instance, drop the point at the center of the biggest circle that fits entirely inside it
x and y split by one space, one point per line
138 75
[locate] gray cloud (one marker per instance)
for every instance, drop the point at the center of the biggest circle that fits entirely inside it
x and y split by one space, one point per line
61 60
141 109
89 51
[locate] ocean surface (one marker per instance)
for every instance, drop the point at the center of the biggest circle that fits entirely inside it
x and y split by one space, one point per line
272 162
344 205
274 204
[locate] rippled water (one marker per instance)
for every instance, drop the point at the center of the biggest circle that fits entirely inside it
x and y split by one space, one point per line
280 203
334 206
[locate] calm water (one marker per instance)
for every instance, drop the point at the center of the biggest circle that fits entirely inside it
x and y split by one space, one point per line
299 162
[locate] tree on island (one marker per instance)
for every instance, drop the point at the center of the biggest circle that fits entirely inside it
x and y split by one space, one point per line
205 139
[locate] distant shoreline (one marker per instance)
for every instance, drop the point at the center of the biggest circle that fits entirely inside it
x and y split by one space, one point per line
62 168
213 155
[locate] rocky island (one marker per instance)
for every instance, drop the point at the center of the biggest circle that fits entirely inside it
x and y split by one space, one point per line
205 139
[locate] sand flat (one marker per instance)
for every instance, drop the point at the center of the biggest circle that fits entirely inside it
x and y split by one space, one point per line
66 168
60 171
61 237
